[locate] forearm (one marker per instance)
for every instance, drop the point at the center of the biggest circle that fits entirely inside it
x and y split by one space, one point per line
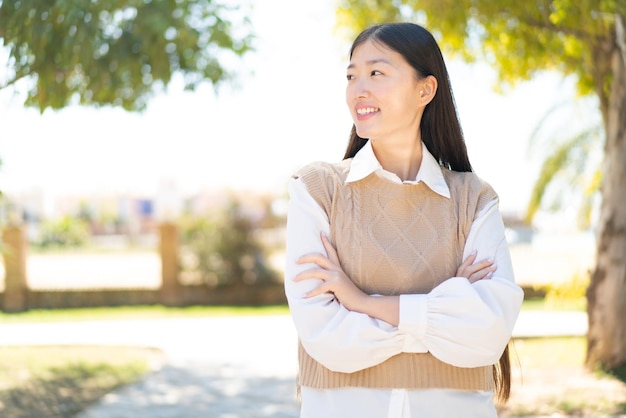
384 308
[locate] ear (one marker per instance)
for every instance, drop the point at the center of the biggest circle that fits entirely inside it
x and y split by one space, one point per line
427 90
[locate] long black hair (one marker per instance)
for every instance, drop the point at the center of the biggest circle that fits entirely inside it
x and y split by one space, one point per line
440 127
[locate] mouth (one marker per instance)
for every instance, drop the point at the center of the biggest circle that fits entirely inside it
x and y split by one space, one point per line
364 111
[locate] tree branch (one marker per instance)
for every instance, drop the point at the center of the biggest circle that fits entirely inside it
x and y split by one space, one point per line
546 24
620 35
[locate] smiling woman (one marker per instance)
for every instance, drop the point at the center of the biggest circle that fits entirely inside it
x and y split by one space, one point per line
398 274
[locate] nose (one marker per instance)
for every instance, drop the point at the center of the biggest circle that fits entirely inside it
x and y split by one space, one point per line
358 89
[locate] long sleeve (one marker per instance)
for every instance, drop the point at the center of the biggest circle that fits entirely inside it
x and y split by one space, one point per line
339 339
464 324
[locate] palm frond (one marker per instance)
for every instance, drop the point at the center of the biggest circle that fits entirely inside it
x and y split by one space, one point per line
566 167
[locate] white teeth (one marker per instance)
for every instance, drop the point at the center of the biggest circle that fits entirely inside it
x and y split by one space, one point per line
366 110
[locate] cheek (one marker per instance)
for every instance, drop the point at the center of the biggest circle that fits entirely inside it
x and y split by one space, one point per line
351 93
408 99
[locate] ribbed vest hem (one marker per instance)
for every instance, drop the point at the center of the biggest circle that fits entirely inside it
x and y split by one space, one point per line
405 370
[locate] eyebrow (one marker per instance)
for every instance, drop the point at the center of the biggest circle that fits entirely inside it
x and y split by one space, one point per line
371 62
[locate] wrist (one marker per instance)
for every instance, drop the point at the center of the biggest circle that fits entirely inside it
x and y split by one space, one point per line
385 308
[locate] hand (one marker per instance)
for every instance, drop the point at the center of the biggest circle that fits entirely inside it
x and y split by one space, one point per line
333 277
476 271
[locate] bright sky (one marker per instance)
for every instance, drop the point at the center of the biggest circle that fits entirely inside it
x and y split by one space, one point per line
289 112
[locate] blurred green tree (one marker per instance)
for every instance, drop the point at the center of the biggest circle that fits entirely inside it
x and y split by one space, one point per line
119 53
584 38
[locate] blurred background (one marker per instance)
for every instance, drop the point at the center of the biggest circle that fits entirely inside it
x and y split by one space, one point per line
119 173
145 148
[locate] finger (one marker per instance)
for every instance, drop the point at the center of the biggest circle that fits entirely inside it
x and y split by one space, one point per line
485 273
470 259
477 270
480 271
330 250
479 265
466 264
316 258
476 278
317 291
311 274
485 264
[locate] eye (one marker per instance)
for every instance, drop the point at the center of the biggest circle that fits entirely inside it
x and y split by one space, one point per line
375 72
350 77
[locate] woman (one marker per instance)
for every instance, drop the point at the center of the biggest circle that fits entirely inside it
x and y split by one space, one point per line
398 275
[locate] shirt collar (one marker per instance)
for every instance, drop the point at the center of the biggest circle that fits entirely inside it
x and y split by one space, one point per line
365 163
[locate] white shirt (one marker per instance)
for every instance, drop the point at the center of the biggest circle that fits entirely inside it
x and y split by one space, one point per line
464 324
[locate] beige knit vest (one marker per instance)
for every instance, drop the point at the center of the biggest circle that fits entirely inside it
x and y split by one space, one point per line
396 239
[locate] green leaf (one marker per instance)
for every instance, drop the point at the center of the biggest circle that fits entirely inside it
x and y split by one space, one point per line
118 53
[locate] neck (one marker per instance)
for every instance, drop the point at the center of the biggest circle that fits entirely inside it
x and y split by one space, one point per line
402 159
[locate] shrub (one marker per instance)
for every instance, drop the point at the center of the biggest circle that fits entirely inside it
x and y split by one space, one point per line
223 248
573 289
65 232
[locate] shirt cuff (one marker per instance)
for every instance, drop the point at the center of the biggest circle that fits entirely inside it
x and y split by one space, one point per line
413 321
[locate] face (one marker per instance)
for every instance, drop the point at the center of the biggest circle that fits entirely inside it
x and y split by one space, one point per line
383 93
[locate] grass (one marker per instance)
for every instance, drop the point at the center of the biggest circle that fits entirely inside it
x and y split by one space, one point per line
549 379
548 373
138 312
555 304
160 311
58 382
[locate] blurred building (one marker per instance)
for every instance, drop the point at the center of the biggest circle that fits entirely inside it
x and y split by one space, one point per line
127 216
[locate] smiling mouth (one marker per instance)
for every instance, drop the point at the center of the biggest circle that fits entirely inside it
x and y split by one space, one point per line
366 110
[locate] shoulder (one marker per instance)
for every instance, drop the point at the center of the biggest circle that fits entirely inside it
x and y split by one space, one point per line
337 171
469 187
467 180
322 180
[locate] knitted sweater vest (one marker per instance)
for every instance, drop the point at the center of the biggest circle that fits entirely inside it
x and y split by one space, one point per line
396 239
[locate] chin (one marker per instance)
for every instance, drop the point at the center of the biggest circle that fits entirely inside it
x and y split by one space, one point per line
363 133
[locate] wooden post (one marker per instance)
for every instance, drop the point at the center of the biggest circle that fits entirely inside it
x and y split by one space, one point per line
168 249
14 255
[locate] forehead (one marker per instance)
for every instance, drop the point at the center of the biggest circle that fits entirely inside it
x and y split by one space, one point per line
371 52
